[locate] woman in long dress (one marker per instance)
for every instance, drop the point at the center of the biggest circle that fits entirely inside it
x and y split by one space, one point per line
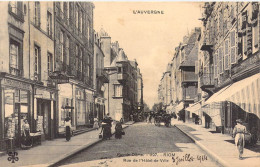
239 134
68 128
118 130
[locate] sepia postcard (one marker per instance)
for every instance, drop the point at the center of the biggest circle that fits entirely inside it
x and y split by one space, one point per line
130 83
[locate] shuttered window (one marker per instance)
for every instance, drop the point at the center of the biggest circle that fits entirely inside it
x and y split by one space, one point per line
233 47
216 64
226 58
220 60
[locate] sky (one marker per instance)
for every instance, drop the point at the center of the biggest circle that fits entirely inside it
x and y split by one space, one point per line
148 38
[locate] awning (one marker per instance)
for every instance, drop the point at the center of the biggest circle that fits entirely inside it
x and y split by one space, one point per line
244 93
194 108
179 107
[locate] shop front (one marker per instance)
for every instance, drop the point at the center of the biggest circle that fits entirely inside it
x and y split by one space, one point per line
89 107
80 107
15 106
99 108
65 107
45 112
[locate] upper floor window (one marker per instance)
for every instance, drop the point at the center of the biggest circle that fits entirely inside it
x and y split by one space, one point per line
62 45
77 17
15 58
67 50
16 7
118 90
37 14
49 63
49 23
37 64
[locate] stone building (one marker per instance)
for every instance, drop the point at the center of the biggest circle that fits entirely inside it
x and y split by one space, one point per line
74 56
228 65
100 78
26 56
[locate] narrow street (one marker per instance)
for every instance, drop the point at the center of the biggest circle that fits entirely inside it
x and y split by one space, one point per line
143 139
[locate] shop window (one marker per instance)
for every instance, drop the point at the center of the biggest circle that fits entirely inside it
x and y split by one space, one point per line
15 102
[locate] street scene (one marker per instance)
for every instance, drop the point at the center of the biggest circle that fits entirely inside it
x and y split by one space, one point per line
90 83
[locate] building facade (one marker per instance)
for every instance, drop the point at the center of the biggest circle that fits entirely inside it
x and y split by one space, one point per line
229 65
100 78
49 73
121 91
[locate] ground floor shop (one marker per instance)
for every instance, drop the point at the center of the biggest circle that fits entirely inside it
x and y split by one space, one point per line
20 100
77 103
239 100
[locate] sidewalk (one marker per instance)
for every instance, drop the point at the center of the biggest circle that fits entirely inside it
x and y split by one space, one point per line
51 152
220 146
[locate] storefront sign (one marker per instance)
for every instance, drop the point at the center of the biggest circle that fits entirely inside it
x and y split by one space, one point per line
16 84
60 78
42 94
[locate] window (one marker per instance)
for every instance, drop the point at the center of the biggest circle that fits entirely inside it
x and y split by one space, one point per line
37 60
76 57
62 45
233 47
49 23
80 61
70 11
14 58
67 50
226 58
118 90
49 63
88 66
256 37
77 17
80 21
16 7
37 18
220 60
216 64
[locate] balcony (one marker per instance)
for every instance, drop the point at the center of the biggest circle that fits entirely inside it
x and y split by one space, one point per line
103 76
246 68
16 72
207 83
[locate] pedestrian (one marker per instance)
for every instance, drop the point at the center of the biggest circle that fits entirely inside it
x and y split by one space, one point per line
96 126
26 138
118 130
106 127
67 125
239 134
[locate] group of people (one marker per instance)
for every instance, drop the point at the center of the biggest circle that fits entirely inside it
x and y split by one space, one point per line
106 126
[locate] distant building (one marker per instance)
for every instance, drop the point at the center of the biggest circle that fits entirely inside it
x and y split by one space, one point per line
100 78
122 90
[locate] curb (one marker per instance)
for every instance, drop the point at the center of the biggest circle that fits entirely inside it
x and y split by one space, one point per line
212 154
68 155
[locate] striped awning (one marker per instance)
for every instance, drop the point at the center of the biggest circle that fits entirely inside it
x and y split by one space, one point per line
244 93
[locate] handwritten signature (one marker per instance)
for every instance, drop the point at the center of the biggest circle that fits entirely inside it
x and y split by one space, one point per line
188 158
